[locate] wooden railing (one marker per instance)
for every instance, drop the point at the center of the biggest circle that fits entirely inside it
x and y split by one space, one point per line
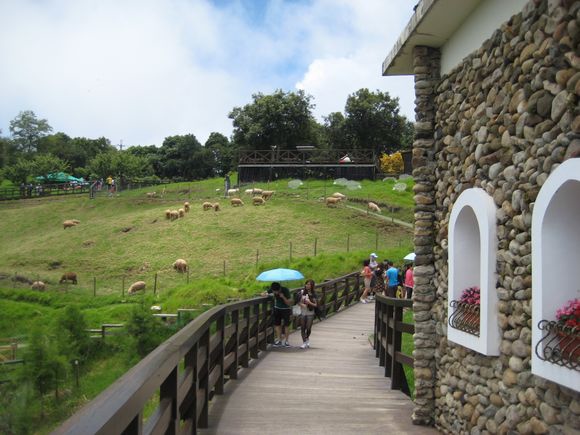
44 190
185 372
389 327
314 156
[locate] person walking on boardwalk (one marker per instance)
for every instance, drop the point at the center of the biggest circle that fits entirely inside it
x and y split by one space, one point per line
308 302
409 281
367 275
392 280
282 310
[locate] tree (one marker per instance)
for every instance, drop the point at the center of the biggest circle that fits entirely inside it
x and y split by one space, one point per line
19 171
334 130
144 329
373 122
184 157
281 119
45 164
26 130
73 340
119 164
223 151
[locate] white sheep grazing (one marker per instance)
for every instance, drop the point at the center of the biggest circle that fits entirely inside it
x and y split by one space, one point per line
174 215
331 201
233 191
254 191
207 205
69 224
180 265
258 200
216 206
373 207
136 286
38 285
181 212
236 202
186 206
339 195
267 194
167 214
151 194
249 191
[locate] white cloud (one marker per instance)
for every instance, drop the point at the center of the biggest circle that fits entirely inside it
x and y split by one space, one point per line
141 70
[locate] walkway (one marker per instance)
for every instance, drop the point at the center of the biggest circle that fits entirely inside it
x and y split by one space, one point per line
380 216
335 387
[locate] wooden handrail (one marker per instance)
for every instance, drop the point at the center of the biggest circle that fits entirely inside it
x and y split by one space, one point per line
191 367
389 327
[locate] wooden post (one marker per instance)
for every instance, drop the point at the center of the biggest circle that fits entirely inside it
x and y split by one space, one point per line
257 256
224 267
155 284
290 251
94 286
348 243
315 245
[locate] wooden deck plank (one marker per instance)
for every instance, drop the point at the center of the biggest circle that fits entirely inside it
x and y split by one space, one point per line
335 387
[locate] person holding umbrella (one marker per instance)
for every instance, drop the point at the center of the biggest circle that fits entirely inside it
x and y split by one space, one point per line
282 310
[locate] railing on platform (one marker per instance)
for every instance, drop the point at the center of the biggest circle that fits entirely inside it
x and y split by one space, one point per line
306 157
389 327
42 191
183 374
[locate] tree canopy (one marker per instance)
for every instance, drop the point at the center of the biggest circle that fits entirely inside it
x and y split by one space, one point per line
26 130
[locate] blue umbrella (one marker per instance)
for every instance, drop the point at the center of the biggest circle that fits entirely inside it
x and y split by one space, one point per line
280 275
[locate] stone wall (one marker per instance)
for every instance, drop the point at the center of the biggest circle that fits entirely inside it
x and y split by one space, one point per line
502 120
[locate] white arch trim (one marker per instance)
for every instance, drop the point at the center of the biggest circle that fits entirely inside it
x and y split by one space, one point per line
555 259
472 261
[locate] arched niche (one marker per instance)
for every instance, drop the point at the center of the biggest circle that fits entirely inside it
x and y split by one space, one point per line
555 262
472 262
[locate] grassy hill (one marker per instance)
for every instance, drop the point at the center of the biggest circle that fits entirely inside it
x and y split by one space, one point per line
125 238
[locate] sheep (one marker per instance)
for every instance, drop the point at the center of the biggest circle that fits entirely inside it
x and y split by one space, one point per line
373 207
174 215
216 206
207 205
254 191
186 206
180 265
267 194
167 214
69 224
76 221
181 212
233 191
332 201
258 200
136 286
151 194
68 276
236 202
339 195
38 285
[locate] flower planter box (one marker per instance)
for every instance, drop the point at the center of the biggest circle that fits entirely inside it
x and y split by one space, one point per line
559 345
465 317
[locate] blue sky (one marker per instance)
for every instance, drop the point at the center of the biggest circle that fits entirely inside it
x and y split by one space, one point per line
142 70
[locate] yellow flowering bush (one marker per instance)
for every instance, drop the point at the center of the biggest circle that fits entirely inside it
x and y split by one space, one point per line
392 164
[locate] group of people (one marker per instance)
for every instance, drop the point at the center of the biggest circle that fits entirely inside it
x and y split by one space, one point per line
385 278
307 301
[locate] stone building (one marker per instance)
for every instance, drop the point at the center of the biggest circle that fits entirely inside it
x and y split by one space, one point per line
497 197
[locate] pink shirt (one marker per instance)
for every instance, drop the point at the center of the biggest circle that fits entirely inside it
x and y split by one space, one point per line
409 282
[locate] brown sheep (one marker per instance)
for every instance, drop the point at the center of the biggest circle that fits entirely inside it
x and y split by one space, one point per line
76 221
136 286
267 194
69 224
373 207
216 206
180 265
181 212
331 201
186 206
207 205
38 285
236 202
174 215
68 276
258 200
167 214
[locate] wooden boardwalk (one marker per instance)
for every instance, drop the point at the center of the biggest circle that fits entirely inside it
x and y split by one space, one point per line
335 387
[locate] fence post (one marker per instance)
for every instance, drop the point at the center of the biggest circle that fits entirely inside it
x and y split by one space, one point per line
290 251
224 267
94 286
257 256
315 245
348 243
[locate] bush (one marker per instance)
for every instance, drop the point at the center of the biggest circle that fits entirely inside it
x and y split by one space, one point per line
145 330
392 164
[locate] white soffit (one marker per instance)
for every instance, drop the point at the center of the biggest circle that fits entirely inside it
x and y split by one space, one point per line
432 24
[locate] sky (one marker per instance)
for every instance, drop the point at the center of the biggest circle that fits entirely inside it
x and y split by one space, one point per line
137 71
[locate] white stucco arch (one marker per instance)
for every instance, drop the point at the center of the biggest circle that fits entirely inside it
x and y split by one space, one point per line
555 259
472 261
